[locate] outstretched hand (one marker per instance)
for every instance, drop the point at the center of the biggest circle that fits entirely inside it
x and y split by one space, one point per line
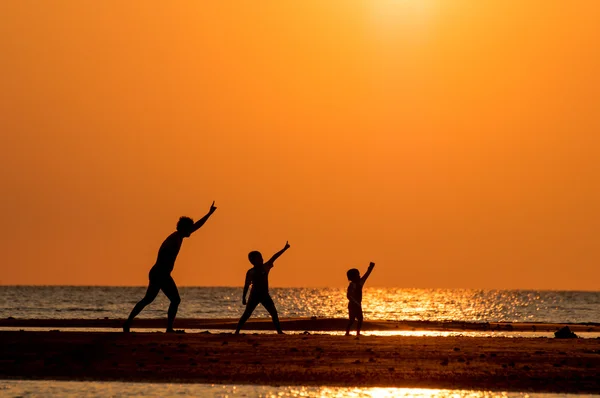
371 264
287 245
212 208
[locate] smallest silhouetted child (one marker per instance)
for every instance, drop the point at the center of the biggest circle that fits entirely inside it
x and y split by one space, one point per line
355 297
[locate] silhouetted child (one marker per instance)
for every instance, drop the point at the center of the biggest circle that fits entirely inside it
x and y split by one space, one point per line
258 277
355 297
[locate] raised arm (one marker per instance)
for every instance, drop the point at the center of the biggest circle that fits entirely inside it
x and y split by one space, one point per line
279 253
366 275
201 221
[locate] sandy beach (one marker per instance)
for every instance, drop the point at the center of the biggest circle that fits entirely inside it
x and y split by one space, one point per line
489 363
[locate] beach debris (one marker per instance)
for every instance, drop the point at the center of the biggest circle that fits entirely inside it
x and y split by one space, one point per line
444 362
313 318
565 333
456 349
306 332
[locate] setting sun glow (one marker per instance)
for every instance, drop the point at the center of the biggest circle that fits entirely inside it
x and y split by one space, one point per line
454 143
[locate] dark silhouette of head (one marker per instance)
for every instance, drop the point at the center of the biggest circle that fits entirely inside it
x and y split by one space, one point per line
184 226
255 258
353 275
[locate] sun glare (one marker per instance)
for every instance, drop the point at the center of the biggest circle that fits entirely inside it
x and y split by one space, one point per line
390 15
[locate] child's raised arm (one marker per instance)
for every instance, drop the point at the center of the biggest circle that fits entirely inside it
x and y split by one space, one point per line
366 275
276 255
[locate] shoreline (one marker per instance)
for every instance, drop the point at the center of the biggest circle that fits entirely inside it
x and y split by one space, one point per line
493 363
302 324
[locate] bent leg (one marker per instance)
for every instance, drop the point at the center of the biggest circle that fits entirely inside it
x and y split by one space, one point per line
269 305
151 293
169 288
250 307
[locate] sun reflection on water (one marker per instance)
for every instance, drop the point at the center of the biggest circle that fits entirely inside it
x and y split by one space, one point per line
17 388
469 305
441 304
378 392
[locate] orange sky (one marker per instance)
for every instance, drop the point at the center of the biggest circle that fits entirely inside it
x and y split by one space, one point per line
454 143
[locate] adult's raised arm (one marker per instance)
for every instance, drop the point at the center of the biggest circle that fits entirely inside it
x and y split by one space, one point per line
201 221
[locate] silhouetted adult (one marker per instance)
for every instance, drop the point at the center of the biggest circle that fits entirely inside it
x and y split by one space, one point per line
258 277
160 274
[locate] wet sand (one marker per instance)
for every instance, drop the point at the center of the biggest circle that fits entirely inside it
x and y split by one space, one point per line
300 324
488 363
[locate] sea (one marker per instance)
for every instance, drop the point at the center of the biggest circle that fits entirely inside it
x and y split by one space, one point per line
466 305
26 388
